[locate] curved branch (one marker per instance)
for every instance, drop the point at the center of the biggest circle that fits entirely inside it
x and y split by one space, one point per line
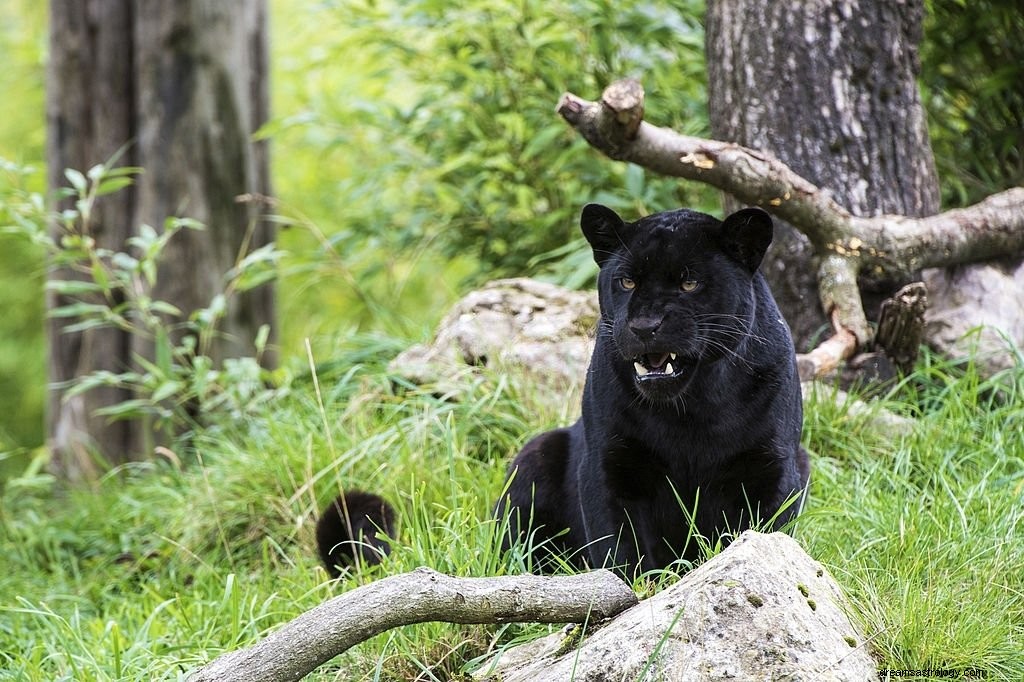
317 636
848 245
990 229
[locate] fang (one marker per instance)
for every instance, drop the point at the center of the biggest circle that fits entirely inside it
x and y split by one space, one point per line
640 369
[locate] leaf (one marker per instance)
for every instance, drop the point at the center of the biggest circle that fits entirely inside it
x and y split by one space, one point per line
77 181
73 287
111 185
122 261
99 379
85 325
128 409
99 276
187 223
79 309
97 172
162 351
541 142
166 390
123 171
165 308
261 338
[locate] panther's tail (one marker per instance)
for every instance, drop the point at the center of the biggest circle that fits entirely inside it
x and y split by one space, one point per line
353 528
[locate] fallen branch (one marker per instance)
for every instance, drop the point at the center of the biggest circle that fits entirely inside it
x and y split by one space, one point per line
424 595
847 245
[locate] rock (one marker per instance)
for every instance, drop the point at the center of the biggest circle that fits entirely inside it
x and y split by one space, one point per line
975 311
512 322
761 610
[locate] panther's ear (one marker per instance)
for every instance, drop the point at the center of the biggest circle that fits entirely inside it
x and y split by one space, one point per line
604 229
745 235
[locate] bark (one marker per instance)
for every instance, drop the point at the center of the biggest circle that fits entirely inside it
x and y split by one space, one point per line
422 596
830 89
901 325
202 93
182 86
846 246
90 112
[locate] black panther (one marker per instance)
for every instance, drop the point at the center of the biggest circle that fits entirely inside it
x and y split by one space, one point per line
691 410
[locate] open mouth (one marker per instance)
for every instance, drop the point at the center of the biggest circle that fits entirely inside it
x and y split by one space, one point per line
656 365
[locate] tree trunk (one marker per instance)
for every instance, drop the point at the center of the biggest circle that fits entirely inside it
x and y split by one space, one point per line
184 85
829 88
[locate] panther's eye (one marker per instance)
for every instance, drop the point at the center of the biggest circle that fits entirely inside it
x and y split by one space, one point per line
627 284
689 285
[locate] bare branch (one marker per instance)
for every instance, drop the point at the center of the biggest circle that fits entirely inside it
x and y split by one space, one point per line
989 229
848 245
423 595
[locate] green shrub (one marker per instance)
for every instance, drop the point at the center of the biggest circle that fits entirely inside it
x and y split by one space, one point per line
102 288
452 141
973 78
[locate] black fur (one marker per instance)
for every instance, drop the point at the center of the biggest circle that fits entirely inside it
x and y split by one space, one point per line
350 529
717 439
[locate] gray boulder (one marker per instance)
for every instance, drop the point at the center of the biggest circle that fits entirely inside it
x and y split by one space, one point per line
761 610
511 322
977 311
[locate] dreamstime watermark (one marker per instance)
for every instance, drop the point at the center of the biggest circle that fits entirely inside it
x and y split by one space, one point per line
931 673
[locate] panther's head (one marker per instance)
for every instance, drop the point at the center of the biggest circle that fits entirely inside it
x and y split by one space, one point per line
676 290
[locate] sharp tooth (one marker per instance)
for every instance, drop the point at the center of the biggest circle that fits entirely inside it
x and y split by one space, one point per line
672 356
640 369
668 368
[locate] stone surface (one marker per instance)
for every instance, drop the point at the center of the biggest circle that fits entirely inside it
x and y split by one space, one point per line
761 610
977 311
512 322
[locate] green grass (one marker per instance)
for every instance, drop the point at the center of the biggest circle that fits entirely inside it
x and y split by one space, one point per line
166 565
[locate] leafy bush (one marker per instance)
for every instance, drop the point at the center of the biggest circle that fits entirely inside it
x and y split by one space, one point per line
113 289
22 362
455 142
973 76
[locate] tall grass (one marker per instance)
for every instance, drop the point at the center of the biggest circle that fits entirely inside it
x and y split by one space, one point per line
168 564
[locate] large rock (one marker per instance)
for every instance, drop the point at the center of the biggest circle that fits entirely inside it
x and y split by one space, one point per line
977 311
511 322
761 610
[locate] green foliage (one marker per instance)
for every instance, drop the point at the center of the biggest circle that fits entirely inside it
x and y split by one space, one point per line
455 144
22 363
22 366
973 77
100 288
162 568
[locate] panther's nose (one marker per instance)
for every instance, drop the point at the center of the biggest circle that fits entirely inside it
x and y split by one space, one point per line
645 327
